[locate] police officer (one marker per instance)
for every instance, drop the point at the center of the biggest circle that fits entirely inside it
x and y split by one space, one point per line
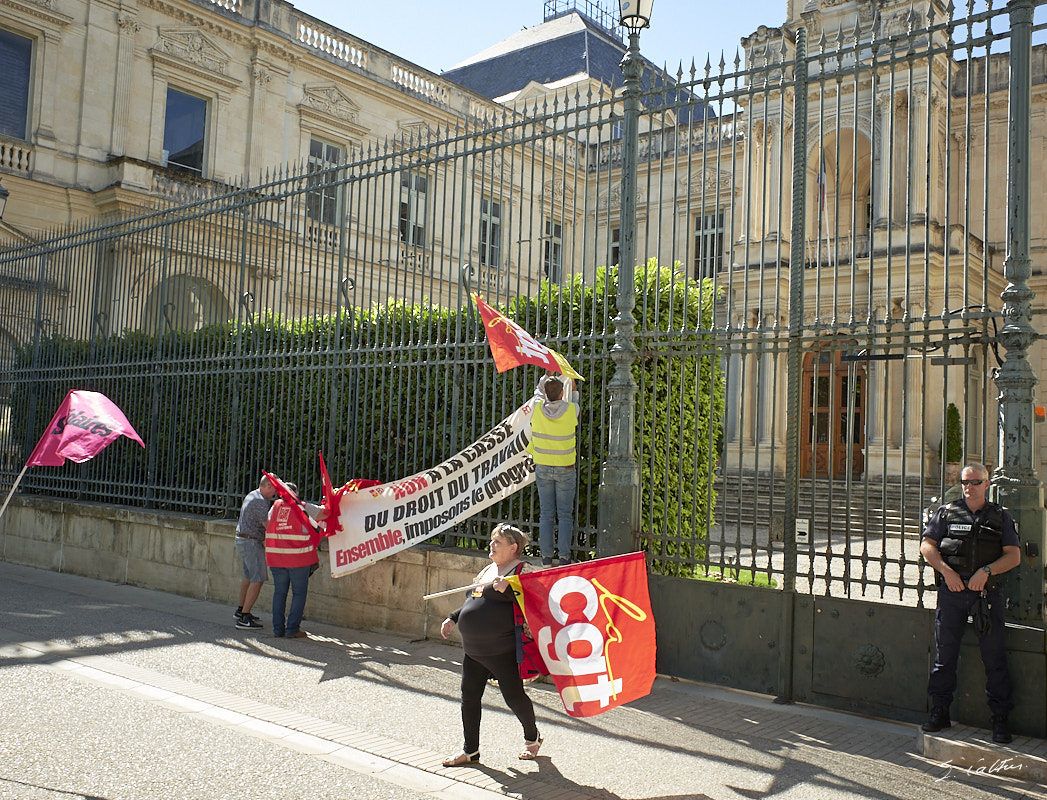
970 542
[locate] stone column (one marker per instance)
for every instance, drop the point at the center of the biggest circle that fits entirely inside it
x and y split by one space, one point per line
884 111
914 435
758 174
48 64
773 170
874 398
751 369
127 22
262 76
939 181
917 166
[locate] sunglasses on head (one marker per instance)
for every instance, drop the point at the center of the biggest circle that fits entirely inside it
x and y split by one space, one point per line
973 481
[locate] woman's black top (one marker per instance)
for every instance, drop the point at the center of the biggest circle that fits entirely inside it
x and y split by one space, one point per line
485 621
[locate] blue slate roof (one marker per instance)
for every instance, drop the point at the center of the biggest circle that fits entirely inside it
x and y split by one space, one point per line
558 49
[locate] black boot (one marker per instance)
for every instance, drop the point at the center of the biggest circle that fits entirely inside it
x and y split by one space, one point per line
939 720
1001 732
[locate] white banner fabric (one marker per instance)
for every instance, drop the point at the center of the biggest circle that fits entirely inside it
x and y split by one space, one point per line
386 519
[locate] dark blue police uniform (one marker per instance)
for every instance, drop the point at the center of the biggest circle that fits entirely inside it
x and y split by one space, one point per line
956 531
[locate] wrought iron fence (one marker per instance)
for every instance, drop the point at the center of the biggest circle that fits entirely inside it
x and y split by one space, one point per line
847 202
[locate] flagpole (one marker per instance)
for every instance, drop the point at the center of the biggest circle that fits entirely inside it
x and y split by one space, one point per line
17 481
459 589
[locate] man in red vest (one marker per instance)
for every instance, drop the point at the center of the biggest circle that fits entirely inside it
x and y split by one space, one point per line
290 552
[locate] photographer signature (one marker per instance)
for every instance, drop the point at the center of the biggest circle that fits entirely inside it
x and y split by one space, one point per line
1000 765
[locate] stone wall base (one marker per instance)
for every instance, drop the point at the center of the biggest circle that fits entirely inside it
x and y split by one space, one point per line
195 556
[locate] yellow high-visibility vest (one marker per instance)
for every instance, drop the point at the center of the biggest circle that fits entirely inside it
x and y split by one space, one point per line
552 440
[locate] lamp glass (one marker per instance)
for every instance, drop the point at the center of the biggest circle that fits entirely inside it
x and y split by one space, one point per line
635 14
3 200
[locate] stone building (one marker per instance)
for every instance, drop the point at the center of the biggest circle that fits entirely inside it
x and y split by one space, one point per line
111 107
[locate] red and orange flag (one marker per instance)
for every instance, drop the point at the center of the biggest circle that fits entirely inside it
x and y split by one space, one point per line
512 346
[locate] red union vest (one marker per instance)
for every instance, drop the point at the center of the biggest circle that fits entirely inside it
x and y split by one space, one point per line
287 542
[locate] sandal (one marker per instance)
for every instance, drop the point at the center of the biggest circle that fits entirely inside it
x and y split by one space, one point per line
462 759
530 751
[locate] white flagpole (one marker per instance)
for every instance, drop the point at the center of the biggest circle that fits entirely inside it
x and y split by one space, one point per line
17 481
459 589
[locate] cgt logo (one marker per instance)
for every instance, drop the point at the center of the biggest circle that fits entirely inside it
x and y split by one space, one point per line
576 648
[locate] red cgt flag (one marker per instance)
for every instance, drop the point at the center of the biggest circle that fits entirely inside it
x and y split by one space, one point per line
512 346
594 628
84 425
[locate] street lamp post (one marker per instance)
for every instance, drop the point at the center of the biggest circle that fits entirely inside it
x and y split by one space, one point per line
1021 489
619 507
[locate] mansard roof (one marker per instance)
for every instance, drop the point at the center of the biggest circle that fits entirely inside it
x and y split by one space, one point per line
553 53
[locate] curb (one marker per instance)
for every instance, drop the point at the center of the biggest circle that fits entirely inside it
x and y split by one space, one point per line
973 750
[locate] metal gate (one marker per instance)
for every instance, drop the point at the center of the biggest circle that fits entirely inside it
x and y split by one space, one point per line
829 249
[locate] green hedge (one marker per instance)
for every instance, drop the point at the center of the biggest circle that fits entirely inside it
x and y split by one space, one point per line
389 391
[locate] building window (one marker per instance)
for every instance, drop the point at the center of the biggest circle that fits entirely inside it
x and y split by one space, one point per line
413 190
490 232
16 54
616 246
552 261
185 126
321 197
708 244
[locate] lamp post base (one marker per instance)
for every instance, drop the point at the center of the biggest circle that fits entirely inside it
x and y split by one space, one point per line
618 523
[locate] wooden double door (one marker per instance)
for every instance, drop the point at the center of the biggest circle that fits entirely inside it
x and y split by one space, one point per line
834 399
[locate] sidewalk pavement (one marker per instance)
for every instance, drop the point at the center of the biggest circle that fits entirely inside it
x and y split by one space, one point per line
112 691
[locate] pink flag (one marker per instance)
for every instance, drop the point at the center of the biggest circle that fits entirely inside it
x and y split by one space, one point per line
84 425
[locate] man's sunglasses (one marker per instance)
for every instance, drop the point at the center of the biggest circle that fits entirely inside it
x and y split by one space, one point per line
973 481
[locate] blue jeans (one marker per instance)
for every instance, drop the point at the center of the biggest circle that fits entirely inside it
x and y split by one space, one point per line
298 579
556 487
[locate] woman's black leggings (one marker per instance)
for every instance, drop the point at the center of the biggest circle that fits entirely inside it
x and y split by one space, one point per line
503 668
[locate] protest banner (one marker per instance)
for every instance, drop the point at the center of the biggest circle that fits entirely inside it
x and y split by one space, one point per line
377 522
594 628
84 425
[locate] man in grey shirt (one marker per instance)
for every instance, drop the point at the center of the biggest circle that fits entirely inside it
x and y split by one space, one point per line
250 545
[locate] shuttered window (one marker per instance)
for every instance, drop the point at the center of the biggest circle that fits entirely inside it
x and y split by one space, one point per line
16 53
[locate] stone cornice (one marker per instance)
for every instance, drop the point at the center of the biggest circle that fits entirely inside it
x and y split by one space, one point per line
200 22
331 110
43 10
184 67
188 44
330 101
238 33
